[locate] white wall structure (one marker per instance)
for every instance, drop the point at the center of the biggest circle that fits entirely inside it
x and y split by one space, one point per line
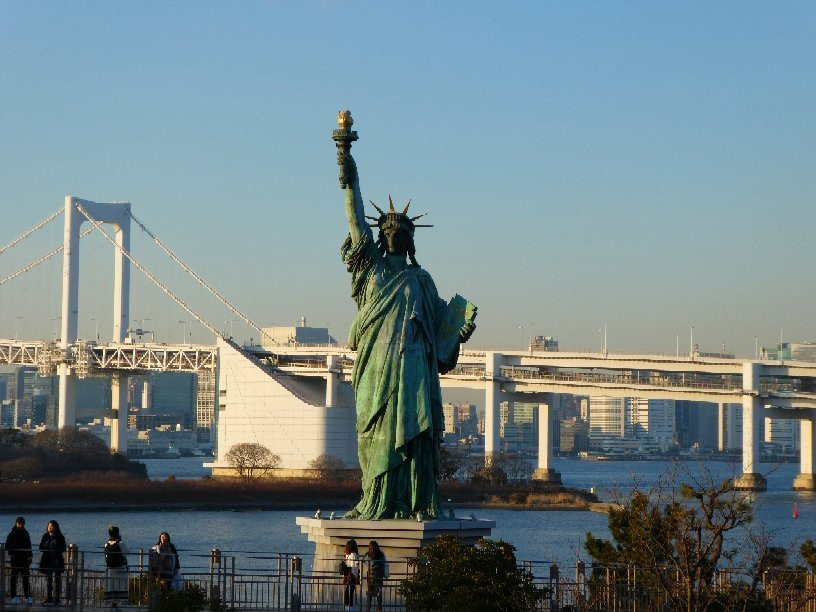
287 415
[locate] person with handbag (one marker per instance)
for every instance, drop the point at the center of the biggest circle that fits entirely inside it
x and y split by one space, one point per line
52 562
351 574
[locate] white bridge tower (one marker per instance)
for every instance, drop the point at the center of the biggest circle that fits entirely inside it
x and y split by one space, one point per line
117 215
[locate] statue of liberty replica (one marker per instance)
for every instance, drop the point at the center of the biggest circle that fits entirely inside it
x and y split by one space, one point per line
404 335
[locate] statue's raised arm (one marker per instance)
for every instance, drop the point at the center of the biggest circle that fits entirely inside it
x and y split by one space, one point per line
349 179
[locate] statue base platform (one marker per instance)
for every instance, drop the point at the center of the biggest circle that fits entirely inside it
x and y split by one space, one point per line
750 481
399 539
804 482
547 476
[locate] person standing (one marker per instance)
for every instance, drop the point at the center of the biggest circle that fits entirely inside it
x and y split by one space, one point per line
377 573
52 562
164 561
351 577
116 583
18 543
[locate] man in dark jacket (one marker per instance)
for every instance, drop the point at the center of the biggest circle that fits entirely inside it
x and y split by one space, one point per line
18 545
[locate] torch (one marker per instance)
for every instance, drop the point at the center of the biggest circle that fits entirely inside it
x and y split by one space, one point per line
343 136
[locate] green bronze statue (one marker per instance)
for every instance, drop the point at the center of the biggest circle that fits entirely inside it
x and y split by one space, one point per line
404 335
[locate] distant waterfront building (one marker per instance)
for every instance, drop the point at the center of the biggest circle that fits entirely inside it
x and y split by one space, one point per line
574 435
518 427
296 335
544 343
796 351
783 434
652 419
584 409
450 413
607 419
633 419
695 424
468 420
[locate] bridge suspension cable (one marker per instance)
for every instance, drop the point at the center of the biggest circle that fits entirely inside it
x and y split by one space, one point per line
32 230
98 225
42 259
200 280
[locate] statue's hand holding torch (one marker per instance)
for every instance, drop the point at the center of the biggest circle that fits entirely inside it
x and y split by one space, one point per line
343 137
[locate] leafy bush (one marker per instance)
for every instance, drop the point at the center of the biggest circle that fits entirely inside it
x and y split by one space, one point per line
451 576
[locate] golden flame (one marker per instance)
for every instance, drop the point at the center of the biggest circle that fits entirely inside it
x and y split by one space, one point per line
344 119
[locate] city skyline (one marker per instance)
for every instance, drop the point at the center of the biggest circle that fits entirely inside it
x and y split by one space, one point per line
638 168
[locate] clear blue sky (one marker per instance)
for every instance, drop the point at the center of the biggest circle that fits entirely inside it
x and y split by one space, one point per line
646 165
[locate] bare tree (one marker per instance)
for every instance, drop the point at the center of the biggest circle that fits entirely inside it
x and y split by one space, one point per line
251 460
690 541
328 467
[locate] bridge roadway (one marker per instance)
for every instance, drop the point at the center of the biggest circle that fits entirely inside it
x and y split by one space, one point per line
776 389
779 389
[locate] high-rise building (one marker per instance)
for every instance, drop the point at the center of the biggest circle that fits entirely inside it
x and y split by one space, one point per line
652 419
517 427
450 414
785 434
607 418
631 418
574 435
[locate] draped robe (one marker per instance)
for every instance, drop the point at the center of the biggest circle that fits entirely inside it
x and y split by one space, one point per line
396 383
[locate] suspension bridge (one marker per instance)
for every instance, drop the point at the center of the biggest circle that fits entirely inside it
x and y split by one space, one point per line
296 400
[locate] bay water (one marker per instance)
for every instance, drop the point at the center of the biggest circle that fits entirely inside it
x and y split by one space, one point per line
542 536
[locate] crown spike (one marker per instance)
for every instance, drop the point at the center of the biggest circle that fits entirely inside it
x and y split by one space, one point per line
407 206
391 204
418 217
379 210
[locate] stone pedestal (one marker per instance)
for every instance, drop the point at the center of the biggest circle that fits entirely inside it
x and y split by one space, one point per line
398 539
548 476
804 482
750 481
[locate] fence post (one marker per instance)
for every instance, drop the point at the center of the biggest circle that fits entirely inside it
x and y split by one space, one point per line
72 580
297 566
232 582
278 589
286 584
152 561
81 581
2 577
215 569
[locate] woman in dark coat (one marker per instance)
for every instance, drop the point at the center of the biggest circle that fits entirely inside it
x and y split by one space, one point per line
164 561
18 543
52 562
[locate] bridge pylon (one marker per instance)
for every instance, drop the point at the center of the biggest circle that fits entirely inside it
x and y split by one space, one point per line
118 216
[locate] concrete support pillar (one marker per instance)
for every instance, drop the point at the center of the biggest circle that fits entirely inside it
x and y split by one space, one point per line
146 395
493 362
750 479
733 417
545 470
332 381
119 424
804 481
721 427
70 300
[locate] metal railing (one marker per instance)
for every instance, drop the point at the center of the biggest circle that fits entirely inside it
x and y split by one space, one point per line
278 582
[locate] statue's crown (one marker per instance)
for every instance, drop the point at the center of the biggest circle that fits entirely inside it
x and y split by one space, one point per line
392 218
